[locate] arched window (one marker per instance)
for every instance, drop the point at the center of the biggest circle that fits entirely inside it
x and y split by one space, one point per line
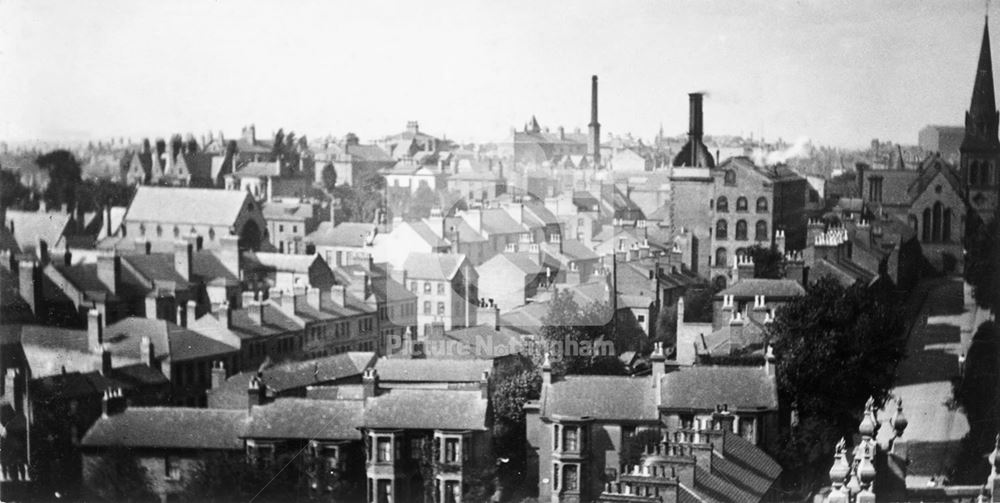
142 229
722 205
760 231
741 204
721 258
211 234
946 226
925 229
761 205
936 222
159 230
973 173
913 223
177 232
741 230
721 230
730 178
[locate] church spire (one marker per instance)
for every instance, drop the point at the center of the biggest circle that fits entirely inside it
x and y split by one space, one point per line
983 99
981 121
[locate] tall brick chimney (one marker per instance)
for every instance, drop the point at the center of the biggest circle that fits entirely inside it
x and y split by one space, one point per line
594 147
695 127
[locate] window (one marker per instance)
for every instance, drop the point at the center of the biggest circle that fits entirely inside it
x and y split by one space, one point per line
641 318
171 469
570 438
142 229
875 189
451 450
295 228
441 308
925 234
721 257
159 230
761 205
427 287
413 286
427 307
741 230
687 421
741 204
722 205
177 232
730 177
452 491
936 222
416 448
211 234
760 232
440 288
570 481
281 228
721 230
383 450
946 226
384 491
746 428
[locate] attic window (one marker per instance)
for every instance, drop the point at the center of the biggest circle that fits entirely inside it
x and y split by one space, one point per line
937 189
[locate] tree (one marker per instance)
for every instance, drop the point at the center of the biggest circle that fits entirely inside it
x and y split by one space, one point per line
64 175
766 262
835 348
329 175
576 338
982 267
13 194
117 476
423 200
979 396
225 478
666 326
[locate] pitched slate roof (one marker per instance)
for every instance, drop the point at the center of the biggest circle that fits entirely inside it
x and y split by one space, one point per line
436 266
369 153
770 288
522 262
169 428
466 234
168 338
427 409
498 221
419 370
424 231
263 169
349 234
156 266
306 419
186 205
704 387
482 342
287 211
29 226
72 385
602 398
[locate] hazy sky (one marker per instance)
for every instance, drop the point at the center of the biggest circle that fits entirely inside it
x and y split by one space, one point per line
840 72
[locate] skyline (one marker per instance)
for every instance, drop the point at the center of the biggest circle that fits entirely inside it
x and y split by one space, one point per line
838 73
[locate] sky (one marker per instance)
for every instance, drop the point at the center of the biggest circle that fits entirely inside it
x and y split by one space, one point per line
838 72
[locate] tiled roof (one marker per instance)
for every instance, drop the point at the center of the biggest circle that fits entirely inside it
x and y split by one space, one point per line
718 489
770 288
351 234
168 338
498 221
747 455
417 370
306 419
602 398
156 266
745 477
169 428
427 409
305 373
436 266
704 387
29 226
895 183
186 205
210 269
275 322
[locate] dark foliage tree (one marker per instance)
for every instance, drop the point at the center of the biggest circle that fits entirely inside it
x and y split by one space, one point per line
423 200
93 195
575 336
766 262
329 175
835 348
978 393
982 264
666 326
13 194
225 478
64 175
361 202
698 304
117 476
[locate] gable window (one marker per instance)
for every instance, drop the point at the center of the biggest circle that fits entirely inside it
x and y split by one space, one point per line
761 205
741 204
730 177
722 205
741 230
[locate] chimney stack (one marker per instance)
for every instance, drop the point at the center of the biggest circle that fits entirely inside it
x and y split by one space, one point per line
147 353
484 385
369 382
109 271
594 148
106 363
695 130
255 391
218 374
192 311
95 330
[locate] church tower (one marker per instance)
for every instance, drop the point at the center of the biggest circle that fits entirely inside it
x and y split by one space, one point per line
980 150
